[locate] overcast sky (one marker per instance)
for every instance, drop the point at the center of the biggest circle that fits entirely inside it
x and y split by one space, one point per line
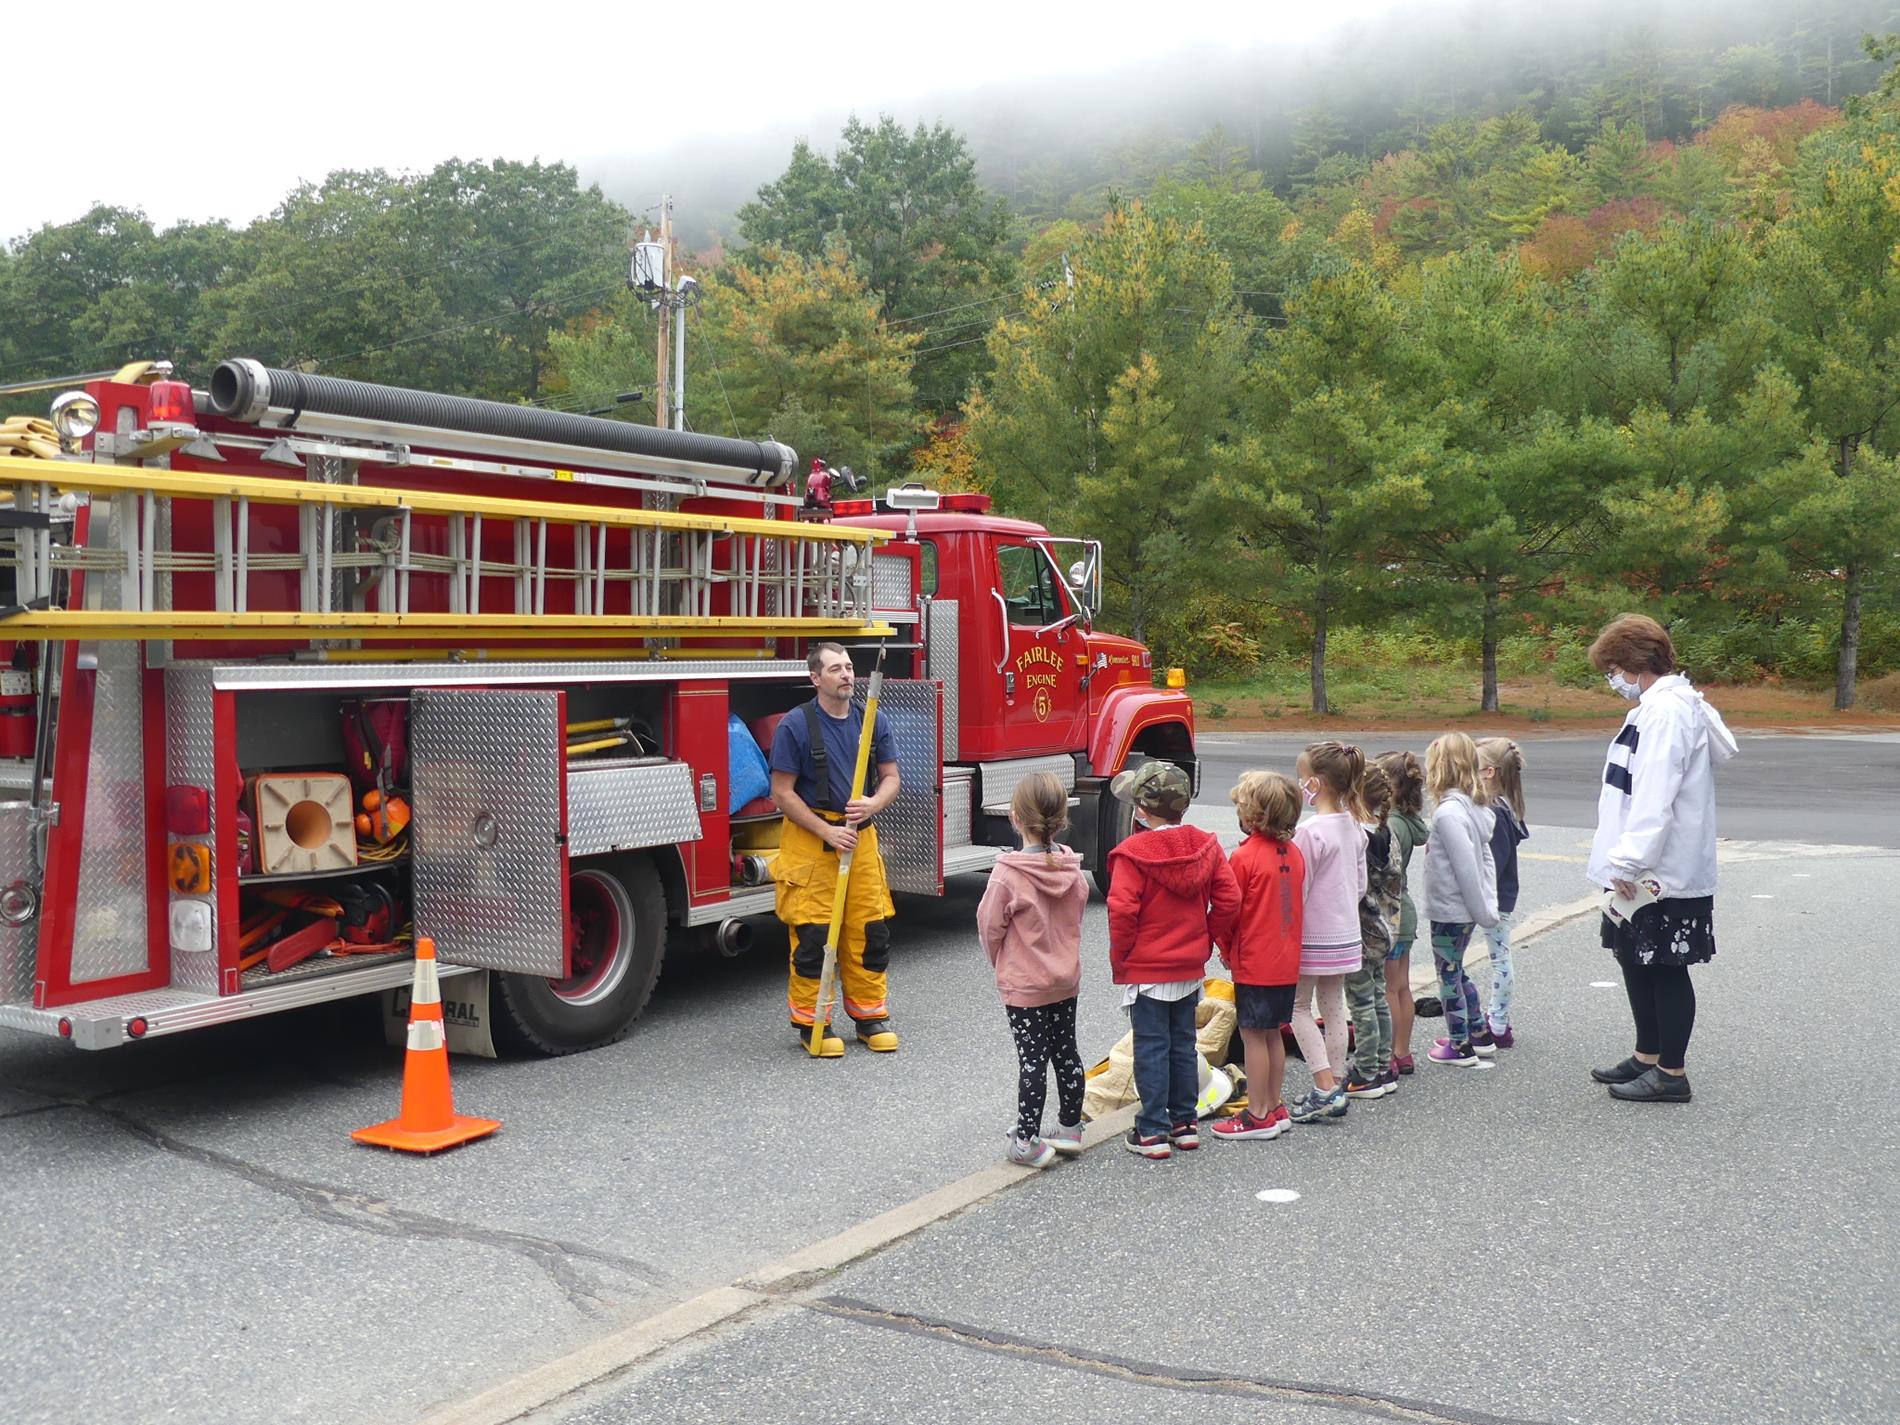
201 111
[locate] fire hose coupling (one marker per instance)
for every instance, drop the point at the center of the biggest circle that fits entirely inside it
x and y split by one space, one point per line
240 389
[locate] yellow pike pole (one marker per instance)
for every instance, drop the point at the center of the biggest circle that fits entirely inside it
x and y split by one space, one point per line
827 977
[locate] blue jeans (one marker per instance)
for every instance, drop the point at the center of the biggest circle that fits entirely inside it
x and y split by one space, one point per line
1167 1064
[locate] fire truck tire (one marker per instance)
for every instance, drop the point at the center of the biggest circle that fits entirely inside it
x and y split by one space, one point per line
1115 822
617 914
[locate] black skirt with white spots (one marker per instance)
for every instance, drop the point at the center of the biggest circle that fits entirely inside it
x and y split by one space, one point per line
1678 930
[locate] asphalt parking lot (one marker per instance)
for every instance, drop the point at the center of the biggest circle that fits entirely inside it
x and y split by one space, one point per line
193 1236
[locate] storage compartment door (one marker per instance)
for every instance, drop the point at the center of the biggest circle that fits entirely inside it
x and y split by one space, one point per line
488 771
910 829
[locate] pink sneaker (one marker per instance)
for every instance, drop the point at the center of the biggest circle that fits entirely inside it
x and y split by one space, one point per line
1503 1038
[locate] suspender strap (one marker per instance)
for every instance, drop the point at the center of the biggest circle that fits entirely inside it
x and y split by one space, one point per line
815 732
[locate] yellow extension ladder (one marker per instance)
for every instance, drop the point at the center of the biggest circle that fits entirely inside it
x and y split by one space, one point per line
356 560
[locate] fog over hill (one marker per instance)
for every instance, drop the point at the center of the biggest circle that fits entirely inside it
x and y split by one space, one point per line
1374 84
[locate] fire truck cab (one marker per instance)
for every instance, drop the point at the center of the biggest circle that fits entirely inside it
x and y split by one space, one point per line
296 668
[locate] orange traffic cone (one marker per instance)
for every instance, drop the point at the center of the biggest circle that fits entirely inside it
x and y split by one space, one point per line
428 1121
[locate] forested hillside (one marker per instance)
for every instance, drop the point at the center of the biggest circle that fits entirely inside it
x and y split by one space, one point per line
1475 331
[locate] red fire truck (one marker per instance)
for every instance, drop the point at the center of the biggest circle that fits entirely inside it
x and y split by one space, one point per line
293 662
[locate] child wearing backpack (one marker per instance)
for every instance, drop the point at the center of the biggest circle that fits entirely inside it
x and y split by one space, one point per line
1030 922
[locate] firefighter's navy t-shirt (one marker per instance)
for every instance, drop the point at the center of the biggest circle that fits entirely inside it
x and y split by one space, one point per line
791 749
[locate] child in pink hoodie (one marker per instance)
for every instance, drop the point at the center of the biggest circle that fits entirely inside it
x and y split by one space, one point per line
1030 922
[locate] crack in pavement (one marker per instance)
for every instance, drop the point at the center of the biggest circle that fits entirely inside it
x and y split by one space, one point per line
343 1208
1353 1402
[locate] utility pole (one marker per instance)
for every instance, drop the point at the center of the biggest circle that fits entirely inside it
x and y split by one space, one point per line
660 391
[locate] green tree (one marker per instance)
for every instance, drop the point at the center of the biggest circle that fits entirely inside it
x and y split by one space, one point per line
1831 284
1333 467
1513 483
1107 399
908 209
778 346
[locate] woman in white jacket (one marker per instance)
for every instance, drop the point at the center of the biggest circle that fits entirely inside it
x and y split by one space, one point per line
1656 825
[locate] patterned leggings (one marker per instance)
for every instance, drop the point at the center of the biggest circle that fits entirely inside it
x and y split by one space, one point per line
1045 1034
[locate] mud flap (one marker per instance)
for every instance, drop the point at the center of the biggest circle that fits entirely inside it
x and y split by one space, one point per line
464 1015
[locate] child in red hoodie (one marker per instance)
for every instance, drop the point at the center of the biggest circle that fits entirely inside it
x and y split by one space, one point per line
1030 922
1170 896
1264 950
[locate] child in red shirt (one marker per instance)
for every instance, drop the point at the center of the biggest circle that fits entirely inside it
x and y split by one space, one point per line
1263 950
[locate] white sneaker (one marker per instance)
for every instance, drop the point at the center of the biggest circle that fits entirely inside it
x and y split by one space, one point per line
1030 1152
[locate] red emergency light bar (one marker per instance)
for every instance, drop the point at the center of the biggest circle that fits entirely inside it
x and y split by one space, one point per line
843 508
969 503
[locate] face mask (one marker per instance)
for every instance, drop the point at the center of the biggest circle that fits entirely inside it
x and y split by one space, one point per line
1310 794
1624 687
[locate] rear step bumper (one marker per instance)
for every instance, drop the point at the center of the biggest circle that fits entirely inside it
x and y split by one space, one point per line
104 1023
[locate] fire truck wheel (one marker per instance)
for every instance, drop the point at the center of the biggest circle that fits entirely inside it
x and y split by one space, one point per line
617 925
1115 823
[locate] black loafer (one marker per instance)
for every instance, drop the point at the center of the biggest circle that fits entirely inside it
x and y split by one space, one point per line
1653 1087
1628 1071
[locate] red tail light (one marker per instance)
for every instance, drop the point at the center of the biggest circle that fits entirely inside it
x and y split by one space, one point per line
187 811
136 1026
169 403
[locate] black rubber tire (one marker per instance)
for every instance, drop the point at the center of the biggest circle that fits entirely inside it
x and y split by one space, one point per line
530 1018
1114 823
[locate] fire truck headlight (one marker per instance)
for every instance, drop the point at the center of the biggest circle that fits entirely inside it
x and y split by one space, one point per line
75 416
19 903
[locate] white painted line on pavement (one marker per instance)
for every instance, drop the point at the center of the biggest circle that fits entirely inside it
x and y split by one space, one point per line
1277 1195
1603 984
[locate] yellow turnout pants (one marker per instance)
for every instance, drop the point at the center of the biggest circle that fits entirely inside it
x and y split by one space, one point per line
806 870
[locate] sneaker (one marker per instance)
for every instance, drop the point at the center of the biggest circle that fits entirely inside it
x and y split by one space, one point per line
1029 1152
1360 1085
1446 1051
1482 1044
1402 1064
1653 1086
1630 1069
1065 1138
1185 1137
1310 1107
1152 1146
1503 1038
1245 1125
1391 1081
1337 1103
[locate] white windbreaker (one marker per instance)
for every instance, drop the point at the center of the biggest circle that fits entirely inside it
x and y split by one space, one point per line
1656 812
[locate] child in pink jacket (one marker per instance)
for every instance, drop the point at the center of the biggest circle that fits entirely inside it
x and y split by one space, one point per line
1030 922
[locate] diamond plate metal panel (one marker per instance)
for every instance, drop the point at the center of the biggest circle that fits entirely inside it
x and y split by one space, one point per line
996 781
189 761
956 808
940 649
109 929
890 585
489 867
909 830
625 808
19 944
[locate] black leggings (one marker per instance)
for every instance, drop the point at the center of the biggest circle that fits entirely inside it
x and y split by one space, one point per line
1663 1002
1045 1035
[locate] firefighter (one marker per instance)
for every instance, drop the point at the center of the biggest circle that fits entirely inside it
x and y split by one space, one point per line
814 753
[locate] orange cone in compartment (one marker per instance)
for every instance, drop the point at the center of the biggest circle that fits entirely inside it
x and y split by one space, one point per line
428 1122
